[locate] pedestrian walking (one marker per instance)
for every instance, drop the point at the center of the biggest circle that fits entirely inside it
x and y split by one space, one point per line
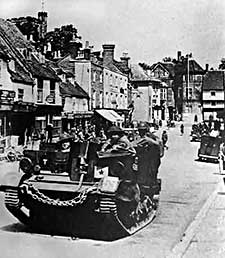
49 129
164 139
181 129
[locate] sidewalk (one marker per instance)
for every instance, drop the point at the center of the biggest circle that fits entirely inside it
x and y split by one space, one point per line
205 237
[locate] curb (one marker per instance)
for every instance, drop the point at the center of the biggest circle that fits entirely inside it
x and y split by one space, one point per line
180 248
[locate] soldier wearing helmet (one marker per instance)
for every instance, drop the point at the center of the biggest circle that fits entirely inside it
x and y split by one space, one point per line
118 141
151 148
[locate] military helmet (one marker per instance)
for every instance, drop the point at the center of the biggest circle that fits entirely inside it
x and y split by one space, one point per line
115 130
142 126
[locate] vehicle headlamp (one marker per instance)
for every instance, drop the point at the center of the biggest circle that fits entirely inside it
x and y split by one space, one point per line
37 169
26 165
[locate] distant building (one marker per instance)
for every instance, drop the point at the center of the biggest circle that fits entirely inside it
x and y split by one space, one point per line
37 99
163 97
142 94
75 102
213 94
188 84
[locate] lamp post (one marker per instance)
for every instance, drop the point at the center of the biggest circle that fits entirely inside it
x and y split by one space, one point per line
188 80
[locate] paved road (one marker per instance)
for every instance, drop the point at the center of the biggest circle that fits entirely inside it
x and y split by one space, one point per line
186 185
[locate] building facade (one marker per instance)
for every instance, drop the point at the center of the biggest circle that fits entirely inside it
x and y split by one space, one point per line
213 95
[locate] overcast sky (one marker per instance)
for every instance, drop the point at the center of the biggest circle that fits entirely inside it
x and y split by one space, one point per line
147 29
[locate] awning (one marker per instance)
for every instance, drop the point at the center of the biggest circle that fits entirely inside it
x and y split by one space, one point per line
110 115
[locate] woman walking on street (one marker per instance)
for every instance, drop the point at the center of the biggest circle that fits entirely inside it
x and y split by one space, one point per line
164 139
181 129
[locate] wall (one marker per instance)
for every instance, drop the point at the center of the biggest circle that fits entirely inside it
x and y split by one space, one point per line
142 104
5 80
75 104
113 83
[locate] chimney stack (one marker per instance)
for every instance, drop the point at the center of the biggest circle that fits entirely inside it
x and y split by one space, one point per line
125 59
108 53
178 55
86 44
206 67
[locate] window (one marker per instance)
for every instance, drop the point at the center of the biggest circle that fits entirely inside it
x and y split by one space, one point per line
101 99
213 93
40 90
20 94
213 103
94 99
190 93
111 79
198 77
94 76
52 91
101 77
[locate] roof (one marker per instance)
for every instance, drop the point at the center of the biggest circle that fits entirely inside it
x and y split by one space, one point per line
121 66
194 67
73 90
4 53
109 115
20 75
213 80
14 35
112 67
13 39
168 66
137 73
42 70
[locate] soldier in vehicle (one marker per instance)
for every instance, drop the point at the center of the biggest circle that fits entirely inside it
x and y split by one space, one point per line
153 151
117 142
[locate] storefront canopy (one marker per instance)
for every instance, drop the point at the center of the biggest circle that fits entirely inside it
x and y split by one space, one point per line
110 115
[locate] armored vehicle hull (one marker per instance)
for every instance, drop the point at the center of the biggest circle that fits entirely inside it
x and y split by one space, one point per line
111 199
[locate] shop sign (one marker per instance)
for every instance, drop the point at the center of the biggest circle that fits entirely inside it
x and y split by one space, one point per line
6 96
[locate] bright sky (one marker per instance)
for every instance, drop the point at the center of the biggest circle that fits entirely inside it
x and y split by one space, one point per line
147 29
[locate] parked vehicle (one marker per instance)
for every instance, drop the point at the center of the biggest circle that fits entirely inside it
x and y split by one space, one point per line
99 195
209 148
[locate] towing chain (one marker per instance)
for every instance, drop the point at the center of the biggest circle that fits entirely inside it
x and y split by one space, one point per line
35 194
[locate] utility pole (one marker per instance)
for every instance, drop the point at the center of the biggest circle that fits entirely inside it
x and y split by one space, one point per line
188 79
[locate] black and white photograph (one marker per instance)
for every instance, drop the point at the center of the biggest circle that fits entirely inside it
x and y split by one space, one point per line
112 129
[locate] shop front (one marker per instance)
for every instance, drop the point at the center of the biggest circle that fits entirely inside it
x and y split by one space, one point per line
104 118
76 119
48 114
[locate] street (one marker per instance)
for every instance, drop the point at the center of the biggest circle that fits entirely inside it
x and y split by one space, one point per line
186 185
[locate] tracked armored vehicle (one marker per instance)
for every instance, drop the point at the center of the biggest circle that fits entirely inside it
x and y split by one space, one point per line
93 195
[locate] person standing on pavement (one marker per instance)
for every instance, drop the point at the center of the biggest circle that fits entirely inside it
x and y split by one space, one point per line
49 129
181 129
164 139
